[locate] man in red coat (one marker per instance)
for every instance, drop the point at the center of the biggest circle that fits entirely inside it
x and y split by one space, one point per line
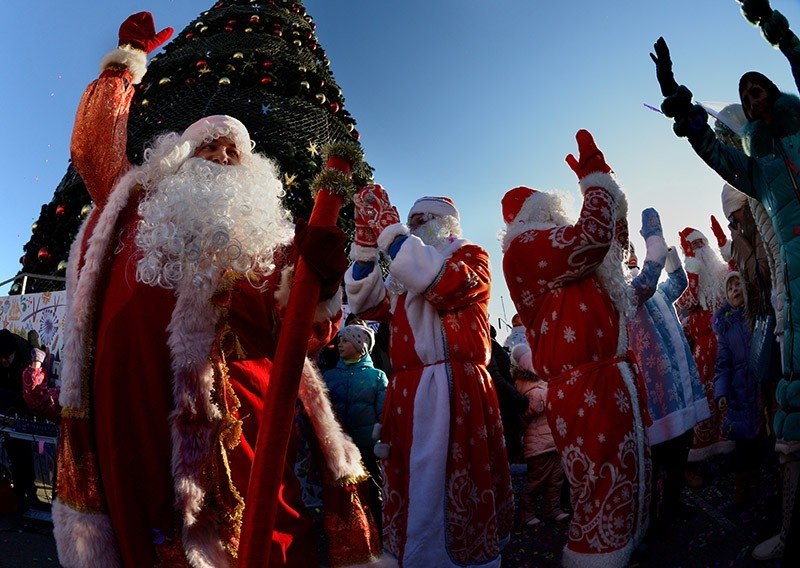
447 498
705 293
567 284
176 287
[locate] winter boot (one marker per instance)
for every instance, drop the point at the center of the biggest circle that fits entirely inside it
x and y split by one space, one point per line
772 548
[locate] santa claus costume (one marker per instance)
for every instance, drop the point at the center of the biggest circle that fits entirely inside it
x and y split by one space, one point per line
447 491
573 303
169 342
703 295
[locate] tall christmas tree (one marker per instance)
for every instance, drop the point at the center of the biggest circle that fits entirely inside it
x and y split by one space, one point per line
256 60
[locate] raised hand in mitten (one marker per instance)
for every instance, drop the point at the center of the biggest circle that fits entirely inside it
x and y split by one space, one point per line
722 238
663 61
590 158
651 224
755 10
139 31
373 213
774 27
323 250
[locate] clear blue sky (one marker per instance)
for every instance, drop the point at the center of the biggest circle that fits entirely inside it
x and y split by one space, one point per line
466 98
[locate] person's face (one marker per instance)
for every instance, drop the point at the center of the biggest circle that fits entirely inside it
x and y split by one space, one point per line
418 219
220 151
755 102
347 350
735 219
733 290
6 360
697 244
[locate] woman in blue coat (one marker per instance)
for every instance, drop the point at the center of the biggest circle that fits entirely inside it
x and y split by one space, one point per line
737 390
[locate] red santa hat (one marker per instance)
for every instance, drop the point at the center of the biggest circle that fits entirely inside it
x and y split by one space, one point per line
438 205
215 126
513 201
732 200
687 236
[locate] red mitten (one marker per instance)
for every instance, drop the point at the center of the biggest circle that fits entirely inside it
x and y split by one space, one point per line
686 246
323 250
373 213
139 31
590 158
722 238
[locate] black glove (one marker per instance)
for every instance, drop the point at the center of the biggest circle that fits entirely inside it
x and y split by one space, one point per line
678 104
774 27
692 122
664 67
323 250
755 10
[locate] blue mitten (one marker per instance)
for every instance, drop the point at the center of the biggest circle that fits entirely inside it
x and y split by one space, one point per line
651 223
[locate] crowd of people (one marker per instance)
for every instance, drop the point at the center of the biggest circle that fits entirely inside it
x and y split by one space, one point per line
617 381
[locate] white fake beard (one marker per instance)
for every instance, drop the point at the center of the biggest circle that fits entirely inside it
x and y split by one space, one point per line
208 218
710 278
439 232
613 279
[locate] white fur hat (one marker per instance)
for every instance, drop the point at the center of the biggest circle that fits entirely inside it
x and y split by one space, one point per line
218 125
442 206
732 200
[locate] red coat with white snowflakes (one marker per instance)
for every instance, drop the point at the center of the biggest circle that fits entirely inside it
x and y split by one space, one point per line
447 487
708 439
578 342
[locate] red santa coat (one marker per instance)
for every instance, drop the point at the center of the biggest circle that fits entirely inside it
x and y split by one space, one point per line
162 390
447 498
707 440
578 342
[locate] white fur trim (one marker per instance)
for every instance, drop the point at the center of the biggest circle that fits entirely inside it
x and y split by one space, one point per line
389 234
366 293
618 558
609 183
417 265
694 235
134 59
656 248
363 253
435 205
692 264
84 539
673 260
325 310
84 288
725 251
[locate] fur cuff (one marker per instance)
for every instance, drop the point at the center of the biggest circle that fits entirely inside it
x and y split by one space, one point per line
327 309
725 251
673 261
84 539
389 234
609 183
134 59
656 248
363 253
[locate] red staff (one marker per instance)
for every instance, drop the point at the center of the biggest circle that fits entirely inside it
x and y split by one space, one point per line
332 185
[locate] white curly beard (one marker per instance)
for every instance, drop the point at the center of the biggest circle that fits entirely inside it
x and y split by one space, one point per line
208 218
614 281
710 278
438 232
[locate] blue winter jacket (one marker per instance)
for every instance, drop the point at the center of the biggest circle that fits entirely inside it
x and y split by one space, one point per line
357 391
732 378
